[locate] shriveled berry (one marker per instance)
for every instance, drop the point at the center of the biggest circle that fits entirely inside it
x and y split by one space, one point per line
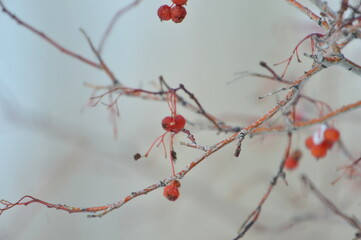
178 13
176 183
179 2
164 13
332 134
171 191
319 151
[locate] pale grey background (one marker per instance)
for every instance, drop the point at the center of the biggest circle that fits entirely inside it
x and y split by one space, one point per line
53 150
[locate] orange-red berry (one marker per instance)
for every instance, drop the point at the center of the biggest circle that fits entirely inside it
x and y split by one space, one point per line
319 151
291 163
171 191
331 134
327 144
292 160
164 13
178 13
179 2
309 142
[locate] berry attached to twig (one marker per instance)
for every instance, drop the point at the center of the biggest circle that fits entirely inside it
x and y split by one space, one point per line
319 151
174 124
309 142
322 141
291 163
180 2
164 13
178 13
292 160
331 135
171 191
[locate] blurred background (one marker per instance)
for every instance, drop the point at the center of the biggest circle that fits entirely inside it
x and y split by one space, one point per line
55 147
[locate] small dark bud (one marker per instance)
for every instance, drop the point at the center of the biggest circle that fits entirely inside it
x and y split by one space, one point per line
174 155
137 156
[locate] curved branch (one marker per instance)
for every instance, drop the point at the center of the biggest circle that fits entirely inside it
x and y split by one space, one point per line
48 39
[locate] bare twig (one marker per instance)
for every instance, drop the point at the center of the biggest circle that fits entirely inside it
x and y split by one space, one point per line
322 5
320 21
48 39
101 61
303 124
115 18
253 217
353 221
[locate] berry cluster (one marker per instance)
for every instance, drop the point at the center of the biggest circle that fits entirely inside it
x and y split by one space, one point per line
172 124
176 11
171 191
322 140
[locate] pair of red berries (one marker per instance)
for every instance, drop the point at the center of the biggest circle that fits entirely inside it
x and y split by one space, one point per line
322 141
176 11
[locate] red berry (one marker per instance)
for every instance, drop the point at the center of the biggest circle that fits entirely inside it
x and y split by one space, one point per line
176 183
327 144
178 13
164 13
179 2
173 124
292 160
309 142
179 123
171 191
319 151
291 163
331 134
296 154
168 123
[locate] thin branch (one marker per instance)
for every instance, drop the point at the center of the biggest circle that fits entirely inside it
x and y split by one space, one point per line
245 74
353 221
320 21
253 217
343 8
113 21
275 76
322 5
351 66
110 207
102 63
48 39
304 124
349 170
212 119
